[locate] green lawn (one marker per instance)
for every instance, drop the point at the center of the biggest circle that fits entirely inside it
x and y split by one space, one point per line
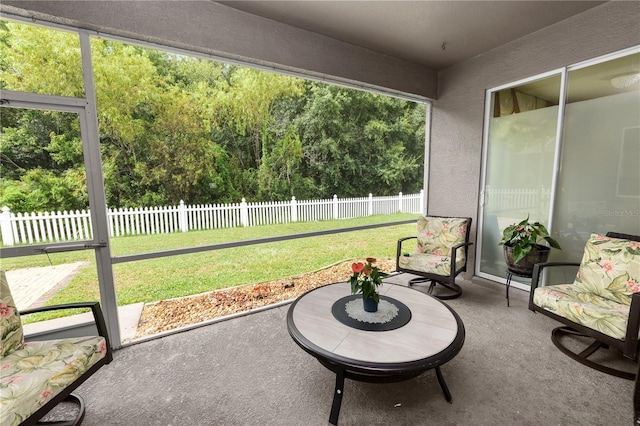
183 275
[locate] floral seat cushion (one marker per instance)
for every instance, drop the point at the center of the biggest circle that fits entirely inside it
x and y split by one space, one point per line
585 308
37 371
600 296
33 373
610 268
436 237
10 324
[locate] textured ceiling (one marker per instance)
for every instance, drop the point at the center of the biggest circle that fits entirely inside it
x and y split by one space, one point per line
417 30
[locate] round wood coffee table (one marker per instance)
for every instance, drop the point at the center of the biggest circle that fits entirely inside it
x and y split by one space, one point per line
433 335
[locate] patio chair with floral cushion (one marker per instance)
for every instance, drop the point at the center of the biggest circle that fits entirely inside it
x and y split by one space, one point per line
35 376
603 302
440 253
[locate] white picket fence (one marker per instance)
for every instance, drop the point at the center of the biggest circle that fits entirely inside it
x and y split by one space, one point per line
23 228
505 199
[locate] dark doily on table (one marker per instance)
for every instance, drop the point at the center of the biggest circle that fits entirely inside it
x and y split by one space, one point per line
391 313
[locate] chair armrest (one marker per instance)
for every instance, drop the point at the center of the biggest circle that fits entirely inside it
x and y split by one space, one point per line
406 238
538 267
456 247
59 307
399 249
537 272
454 250
400 241
95 309
633 327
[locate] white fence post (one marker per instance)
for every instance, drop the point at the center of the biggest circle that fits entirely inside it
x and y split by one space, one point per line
400 202
244 213
5 227
182 217
294 209
335 206
370 205
538 196
422 202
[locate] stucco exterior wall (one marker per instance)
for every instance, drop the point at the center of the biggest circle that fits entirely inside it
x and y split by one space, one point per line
458 113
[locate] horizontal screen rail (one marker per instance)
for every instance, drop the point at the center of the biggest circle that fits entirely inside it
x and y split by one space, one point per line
234 244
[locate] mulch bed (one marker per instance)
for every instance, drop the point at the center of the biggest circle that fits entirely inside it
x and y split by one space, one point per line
175 313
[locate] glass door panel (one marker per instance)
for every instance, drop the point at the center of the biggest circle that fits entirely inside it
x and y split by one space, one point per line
599 183
519 164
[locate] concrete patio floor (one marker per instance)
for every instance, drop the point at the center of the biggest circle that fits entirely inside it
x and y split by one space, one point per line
248 371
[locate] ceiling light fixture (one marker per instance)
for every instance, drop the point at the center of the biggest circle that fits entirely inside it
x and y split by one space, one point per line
624 81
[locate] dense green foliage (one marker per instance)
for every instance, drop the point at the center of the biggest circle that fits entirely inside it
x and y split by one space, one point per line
177 128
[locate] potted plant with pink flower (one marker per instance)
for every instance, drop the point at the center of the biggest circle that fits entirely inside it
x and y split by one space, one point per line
365 279
521 248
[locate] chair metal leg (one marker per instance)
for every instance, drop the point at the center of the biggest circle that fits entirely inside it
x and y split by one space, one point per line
636 400
75 399
455 288
581 357
418 280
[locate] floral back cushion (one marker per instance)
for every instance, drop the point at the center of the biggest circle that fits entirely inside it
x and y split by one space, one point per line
610 268
436 235
10 324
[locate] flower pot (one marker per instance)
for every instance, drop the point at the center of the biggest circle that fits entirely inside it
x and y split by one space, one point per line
538 254
370 305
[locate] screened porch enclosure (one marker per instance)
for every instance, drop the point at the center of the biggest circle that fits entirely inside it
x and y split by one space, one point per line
47 236
452 90
200 374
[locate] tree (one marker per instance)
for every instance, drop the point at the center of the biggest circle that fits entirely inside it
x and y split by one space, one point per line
43 190
173 128
157 137
279 173
244 109
354 142
40 60
41 154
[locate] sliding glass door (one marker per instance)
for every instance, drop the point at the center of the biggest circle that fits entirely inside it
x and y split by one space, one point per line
599 182
569 161
519 160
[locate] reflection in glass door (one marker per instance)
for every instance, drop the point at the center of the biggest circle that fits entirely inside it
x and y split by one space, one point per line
599 183
519 163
